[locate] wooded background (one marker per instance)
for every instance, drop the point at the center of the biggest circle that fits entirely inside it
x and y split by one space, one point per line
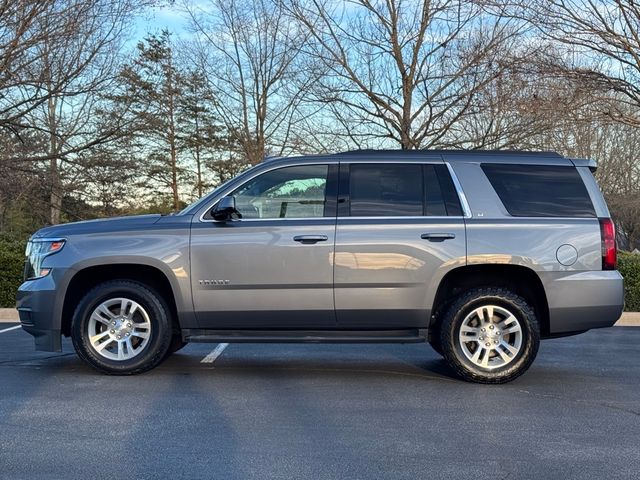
95 122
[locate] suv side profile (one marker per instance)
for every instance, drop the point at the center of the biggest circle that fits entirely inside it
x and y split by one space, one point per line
480 253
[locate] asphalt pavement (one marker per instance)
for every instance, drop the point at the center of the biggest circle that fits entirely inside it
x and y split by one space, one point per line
322 412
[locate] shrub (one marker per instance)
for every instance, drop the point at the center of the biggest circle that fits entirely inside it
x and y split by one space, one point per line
12 262
629 266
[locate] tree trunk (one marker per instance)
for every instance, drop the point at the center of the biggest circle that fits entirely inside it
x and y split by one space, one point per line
55 199
198 161
172 139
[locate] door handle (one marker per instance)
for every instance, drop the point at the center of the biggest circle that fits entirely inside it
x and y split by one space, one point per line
310 238
437 237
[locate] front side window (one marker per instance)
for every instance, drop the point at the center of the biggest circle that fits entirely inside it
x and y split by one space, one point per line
288 192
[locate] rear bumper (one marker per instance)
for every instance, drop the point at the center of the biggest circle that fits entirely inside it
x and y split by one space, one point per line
584 300
35 302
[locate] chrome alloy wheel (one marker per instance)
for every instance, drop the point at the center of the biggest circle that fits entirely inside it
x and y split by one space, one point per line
119 329
490 336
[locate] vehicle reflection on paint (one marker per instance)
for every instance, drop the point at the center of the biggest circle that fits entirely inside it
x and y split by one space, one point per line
377 261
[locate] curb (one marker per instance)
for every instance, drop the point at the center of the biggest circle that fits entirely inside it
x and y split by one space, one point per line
8 315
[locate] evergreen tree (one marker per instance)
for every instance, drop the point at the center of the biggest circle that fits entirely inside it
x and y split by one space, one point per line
149 97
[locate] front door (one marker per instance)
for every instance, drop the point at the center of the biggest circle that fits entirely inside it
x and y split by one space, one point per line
400 228
273 268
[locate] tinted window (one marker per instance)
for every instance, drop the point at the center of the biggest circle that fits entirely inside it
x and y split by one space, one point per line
289 192
386 190
449 194
434 202
540 190
402 190
441 197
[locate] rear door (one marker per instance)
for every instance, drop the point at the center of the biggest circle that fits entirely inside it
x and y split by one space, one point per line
400 228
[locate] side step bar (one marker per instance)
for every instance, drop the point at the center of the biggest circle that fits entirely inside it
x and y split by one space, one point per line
305 336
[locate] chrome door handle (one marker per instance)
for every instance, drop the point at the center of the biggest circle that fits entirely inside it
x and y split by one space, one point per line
437 237
310 238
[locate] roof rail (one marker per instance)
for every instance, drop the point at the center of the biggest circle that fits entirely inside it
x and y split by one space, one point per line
450 152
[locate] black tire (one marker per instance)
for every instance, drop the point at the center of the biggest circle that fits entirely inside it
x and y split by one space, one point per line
452 347
435 344
434 329
159 339
435 341
176 344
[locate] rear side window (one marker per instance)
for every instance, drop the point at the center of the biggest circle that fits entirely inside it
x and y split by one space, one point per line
400 190
386 190
540 190
446 192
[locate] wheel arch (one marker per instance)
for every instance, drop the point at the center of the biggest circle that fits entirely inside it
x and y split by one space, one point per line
87 277
520 279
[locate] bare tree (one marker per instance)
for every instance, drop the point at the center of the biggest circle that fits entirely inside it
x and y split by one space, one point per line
599 44
401 71
25 27
250 52
58 56
527 108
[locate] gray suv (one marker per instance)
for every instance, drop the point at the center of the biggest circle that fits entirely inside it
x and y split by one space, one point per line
481 254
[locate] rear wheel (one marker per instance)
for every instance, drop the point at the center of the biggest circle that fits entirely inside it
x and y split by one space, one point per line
489 335
121 327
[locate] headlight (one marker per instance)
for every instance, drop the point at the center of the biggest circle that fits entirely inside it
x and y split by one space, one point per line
37 250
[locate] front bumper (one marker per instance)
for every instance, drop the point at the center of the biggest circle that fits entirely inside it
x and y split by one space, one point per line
581 301
36 302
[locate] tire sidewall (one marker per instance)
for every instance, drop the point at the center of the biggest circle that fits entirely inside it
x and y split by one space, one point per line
157 310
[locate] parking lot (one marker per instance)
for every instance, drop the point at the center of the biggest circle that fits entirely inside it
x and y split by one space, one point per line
322 411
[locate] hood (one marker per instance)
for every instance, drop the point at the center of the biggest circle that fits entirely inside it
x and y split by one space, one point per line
102 225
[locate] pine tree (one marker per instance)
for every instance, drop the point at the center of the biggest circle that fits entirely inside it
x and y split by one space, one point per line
200 135
149 96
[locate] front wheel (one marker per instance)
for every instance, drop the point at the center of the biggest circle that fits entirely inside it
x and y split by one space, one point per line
121 327
489 335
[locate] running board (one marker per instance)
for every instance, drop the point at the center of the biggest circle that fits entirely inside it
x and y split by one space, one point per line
305 336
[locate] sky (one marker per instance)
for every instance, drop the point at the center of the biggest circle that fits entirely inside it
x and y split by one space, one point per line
160 18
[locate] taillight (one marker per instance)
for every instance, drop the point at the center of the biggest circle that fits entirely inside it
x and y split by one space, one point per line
608 237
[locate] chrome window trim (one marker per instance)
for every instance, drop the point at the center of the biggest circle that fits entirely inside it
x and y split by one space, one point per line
466 210
408 217
274 219
456 183
277 219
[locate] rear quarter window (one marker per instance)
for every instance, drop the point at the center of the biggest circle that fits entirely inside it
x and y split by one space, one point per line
540 190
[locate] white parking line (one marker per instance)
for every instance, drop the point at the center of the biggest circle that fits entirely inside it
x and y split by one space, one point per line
215 353
11 328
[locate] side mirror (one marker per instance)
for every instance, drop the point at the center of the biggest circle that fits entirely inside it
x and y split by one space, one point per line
225 209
